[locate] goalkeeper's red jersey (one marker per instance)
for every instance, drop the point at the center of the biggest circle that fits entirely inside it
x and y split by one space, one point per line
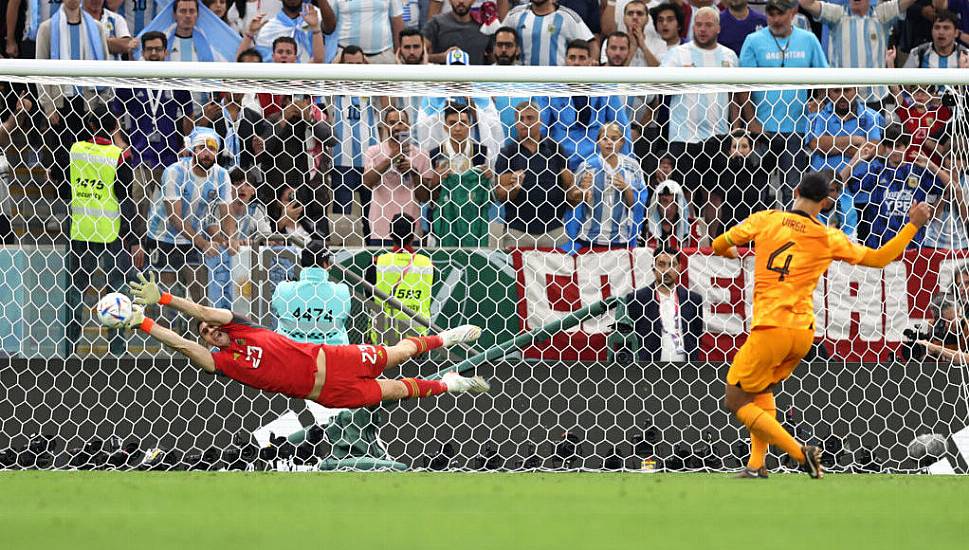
265 360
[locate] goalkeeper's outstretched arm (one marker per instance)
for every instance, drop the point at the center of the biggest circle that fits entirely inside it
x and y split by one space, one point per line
198 355
147 293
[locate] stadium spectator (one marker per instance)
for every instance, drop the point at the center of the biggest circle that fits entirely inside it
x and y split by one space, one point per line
742 180
780 116
886 186
288 217
461 192
651 112
284 50
949 327
590 11
699 123
665 168
249 215
373 26
505 52
551 29
241 127
313 309
191 188
158 121
70 33
221 10
532 179
22 23
947 228
920 18
101 214
858 34
738 21
843 215
668 317
455 30
841 125
412 49
285 160
609 193
119 40
575 123
398 172
355 129
943 51
295 20
924 117
189 40
617 49
646 45
669 219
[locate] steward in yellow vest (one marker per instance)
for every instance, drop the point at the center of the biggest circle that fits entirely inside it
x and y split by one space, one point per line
100 215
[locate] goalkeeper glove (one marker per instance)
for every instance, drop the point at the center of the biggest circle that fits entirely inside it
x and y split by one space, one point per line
146 292
136 317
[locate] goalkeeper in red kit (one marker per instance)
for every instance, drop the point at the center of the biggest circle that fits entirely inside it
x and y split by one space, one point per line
342 377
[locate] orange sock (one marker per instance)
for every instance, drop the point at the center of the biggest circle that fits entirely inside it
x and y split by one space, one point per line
417 387
769 429
758 445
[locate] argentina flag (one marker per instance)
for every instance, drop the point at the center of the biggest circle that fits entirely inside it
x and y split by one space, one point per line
213 39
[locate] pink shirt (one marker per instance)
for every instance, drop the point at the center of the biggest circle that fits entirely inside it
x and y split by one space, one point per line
391 196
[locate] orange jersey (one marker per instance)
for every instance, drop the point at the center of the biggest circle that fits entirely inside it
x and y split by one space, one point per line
792 251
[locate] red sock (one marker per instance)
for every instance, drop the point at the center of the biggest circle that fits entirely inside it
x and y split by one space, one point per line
417 387
425 343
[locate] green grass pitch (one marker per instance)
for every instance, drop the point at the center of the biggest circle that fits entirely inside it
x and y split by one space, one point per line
459 511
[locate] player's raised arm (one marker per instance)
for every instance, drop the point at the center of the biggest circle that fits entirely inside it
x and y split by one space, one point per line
147 293
918 216
198 355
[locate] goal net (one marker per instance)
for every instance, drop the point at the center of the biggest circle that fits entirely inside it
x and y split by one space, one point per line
568 208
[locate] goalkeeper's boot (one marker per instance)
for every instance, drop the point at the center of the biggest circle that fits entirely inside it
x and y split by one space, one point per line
461 334
747 473
812 461
459 384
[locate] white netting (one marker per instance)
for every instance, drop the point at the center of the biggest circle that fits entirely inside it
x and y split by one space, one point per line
523 216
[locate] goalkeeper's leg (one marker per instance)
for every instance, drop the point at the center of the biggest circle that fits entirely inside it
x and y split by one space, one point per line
416 345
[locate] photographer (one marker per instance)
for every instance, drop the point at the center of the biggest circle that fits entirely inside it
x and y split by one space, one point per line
948 335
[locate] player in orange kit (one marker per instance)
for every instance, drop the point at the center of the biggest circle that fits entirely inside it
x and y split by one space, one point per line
793 250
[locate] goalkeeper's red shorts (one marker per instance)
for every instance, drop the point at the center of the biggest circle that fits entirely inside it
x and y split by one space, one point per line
350 376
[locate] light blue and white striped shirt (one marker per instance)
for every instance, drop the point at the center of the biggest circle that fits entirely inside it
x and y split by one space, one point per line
544 37
138 13
859 41
366 23
947 229
114 27
698 117
608 219
197 195
925 57
355 129
39 11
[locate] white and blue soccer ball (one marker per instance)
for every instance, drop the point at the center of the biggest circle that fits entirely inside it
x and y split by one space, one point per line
114 310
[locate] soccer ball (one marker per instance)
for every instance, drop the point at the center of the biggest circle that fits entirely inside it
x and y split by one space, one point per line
113 310
927 445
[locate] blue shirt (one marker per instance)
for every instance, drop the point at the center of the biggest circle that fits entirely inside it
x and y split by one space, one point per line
313 309
607 219
574 122
782 111
155 130
863 122
891 190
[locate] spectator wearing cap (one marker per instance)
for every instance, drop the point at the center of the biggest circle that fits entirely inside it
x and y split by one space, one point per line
551 28
314 308
780 117
858 34
101 215
532 179
190 190
453 31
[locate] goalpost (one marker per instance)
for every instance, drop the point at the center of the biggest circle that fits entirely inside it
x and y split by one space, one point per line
75 396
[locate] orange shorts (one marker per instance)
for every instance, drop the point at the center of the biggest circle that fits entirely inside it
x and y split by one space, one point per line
769 356
350 376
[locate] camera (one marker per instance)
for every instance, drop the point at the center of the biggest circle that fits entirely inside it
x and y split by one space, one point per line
910 350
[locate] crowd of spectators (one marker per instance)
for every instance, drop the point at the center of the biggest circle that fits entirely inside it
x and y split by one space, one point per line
574 171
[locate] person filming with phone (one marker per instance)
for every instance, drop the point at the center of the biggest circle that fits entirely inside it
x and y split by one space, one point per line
398 173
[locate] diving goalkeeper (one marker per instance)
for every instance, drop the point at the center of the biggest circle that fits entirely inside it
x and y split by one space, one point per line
341 377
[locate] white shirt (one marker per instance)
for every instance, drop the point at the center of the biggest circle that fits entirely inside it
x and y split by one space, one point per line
115 26
859 41
654 42
544 37
698 117
366 23
672 341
